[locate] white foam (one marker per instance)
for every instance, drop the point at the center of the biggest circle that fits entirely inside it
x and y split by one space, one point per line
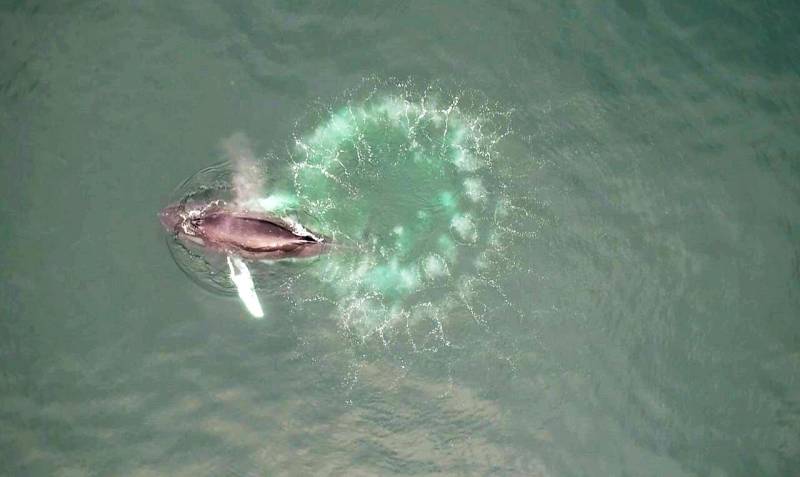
464 227
464 160
435 266
274 203
298 229
474 189
409 278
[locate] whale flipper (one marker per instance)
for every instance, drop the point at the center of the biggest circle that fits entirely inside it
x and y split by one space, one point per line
241 277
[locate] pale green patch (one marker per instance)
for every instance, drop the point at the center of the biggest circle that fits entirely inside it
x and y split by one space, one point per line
465 161
447 200
447 247
277 202
464 227
401 178
474 190
392 278
435 266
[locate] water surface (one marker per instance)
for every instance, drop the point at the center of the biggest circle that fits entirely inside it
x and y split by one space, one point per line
641 318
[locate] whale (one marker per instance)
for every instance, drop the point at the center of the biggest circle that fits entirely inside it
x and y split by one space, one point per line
231 230
241 229
240 235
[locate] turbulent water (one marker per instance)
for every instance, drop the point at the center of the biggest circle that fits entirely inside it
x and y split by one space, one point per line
412 188
565 238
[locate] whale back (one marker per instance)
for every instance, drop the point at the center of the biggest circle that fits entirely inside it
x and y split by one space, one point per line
249 233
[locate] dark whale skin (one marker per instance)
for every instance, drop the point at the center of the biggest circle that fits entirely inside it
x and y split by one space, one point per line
247 234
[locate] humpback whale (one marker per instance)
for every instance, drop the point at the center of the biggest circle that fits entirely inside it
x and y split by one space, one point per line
240 229
231 230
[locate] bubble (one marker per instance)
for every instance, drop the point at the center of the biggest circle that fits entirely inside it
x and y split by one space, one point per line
447 246
276 202
405 180
464 160
473 188
435 266
464 227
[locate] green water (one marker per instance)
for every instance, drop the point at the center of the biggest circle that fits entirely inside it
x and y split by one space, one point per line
571 239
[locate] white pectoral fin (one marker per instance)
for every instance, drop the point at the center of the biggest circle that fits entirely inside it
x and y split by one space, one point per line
241 277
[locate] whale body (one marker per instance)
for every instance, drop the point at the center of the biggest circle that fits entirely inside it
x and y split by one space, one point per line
241 229
251 235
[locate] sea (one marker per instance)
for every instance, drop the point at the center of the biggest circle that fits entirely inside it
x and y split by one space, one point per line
566 238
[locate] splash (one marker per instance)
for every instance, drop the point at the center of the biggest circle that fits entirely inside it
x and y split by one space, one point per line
408 183
410 187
